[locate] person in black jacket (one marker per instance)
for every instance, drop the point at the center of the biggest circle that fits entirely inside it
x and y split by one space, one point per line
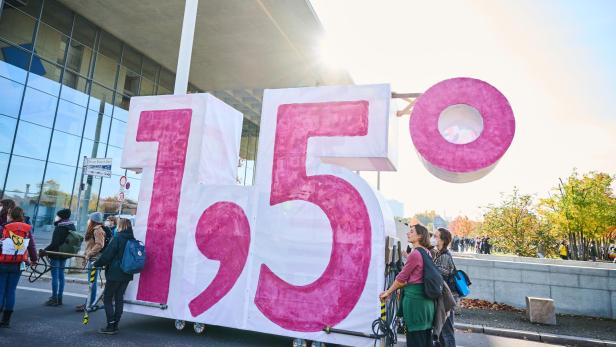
117 280
58 263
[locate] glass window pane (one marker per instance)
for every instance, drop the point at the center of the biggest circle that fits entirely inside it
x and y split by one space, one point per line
118 131
147 87
14 62
108 202
64 148
31 7
32 141
122 101
4 162
84 31
110 46
150 69
131 197
75 89
101 97
44 76
7 132
24 182
16 26
89 197
58 16
88 150
94 130
128 82
70 118
166 81
105 70
10 97
120 113
163 91
116 154
55 195
79 58
131 59
39 107
51 44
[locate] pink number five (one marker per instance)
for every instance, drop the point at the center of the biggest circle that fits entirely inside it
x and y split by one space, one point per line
329 299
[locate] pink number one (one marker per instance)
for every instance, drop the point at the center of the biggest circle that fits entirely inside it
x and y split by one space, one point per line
170 128
329 299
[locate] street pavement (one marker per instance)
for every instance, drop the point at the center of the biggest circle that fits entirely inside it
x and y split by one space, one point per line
34 324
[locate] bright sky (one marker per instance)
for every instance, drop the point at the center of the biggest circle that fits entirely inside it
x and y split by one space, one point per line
554 60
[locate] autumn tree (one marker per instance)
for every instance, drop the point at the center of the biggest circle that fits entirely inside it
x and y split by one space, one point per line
513 225
582 209
462 226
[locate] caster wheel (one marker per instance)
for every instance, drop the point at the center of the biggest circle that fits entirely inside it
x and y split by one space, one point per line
199 328
300 343
180 324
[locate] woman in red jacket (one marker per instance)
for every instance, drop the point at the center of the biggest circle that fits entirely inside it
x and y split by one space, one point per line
17 244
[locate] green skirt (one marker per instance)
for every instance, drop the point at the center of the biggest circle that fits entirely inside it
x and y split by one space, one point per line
417 309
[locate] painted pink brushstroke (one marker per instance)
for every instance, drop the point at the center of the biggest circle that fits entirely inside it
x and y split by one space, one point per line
170 128
223 234
329 299
487 149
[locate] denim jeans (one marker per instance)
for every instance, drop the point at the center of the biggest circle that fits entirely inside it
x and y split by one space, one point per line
57 277
447 338
8 286
93 284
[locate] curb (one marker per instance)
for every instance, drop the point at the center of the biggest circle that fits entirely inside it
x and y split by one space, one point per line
533 336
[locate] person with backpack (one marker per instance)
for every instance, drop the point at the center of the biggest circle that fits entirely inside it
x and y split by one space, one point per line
117 279
17 245
97 237
63 227
444 263
417 308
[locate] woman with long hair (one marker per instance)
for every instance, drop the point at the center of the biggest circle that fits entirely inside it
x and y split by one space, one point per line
5 206
417 308
445 265
95 241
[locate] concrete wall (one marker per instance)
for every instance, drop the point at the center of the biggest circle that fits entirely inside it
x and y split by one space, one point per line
580 288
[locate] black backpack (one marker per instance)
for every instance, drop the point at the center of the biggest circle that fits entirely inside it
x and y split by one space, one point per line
432 279
108 236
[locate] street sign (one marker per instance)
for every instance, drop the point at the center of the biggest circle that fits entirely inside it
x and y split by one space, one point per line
121 197
100 167
123 181
127 186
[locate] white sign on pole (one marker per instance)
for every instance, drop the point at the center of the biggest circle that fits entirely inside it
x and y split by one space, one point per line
100 167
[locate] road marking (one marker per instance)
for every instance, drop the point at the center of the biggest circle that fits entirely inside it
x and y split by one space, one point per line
77 295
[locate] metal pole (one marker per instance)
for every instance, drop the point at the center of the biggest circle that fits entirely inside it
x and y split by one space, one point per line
378 180
186 44
83 168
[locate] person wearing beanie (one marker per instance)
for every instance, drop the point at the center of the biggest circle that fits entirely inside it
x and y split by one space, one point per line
62 228
95 237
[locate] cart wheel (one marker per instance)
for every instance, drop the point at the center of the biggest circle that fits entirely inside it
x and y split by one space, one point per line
180 324
199 328
317 344
300 343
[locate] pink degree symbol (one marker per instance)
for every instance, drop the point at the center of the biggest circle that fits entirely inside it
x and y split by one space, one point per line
462 162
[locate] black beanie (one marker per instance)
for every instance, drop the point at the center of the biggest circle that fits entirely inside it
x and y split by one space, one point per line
64 213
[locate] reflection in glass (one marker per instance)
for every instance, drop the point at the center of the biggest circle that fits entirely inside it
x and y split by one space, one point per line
32 140
131 196
70 117
84 31
7 131
64 148
89 150
89 198
24 182
105 70
150 69
16 26
51 44
79 58
75 89
38 107
55 195
147 87
14 62
166 81
120 113
118 131
45 77
58 16
128 81
10 97
101 96
131 59
97 127
116 154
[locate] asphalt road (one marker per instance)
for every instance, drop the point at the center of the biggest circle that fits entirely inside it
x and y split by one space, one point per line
34 324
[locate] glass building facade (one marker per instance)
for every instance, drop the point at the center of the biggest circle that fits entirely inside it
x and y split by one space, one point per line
65 88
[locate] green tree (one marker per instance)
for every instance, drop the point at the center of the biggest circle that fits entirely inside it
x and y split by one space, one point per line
582 209
513 225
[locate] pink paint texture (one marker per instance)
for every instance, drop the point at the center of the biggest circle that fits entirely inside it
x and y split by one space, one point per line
329 299
223 234
170 128
487 149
